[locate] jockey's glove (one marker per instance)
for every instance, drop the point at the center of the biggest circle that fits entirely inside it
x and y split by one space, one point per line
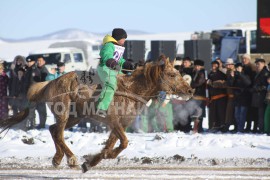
112 64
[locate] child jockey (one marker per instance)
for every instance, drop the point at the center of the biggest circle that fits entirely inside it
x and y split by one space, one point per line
111 62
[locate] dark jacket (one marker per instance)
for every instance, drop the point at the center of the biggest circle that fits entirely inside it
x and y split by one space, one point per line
40 74
29 76
249 70
259 88
216 76
18 87
188 71
198 83
240 82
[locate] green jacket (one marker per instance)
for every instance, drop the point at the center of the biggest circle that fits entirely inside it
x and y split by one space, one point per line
108 51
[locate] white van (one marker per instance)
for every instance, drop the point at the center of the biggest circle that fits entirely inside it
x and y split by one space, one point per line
73 58
91 50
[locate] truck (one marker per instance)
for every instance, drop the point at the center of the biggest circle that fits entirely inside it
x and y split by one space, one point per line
236 39
90 49
73 58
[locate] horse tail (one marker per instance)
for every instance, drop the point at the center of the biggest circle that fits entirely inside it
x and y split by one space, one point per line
8 123
36 92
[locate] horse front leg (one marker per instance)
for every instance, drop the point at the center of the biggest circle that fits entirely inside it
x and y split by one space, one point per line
57 132
58 156
71 158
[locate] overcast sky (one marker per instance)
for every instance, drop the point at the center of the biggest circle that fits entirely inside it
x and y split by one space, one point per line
27 18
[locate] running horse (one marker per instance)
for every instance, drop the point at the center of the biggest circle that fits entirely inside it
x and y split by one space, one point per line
133 91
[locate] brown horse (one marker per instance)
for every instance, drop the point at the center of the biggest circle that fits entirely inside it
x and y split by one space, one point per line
71 101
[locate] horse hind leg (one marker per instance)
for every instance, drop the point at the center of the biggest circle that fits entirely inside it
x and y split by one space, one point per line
120 133
107 153
94 160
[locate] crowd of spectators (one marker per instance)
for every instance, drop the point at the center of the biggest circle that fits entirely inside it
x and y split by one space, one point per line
237 96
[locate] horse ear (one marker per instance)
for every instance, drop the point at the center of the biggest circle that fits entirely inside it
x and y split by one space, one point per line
173 62
167 62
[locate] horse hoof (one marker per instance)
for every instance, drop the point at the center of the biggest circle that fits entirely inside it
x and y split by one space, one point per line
84 167
55 164
72 162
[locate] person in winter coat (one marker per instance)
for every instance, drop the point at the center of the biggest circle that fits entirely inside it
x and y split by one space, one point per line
230 118
240 83
249 69
40 76
267 111
218 98
36 73
18 63
3 93
18 91
259 90
56 73
199 84
111 62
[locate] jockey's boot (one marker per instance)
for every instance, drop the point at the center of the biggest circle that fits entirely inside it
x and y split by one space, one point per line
101 113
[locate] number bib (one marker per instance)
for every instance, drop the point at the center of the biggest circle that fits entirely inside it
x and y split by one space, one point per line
118 52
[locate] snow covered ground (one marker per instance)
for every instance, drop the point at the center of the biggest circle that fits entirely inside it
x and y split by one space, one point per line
148 156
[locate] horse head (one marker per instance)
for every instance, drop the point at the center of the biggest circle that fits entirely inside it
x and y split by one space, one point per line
166 78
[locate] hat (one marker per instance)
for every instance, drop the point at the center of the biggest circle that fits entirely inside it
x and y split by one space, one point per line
177 63
60 64
187 59
215 62
229 61
246 56
238 65
198 62
119 33
259 60
29 59
178 58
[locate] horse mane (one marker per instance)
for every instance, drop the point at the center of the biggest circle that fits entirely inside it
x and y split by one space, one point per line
150 72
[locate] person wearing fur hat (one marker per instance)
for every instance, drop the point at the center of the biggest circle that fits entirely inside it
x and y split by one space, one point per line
18 91
199 84
249 69
111 63
240 83
259 90
18 63
218 98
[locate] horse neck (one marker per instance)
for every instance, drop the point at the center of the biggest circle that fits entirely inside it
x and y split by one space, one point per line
138 87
